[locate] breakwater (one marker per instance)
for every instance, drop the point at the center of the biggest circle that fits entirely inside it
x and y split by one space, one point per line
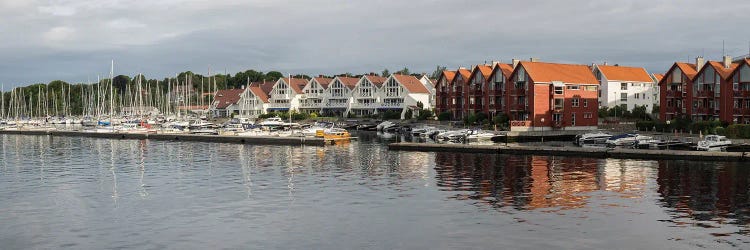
259 140
618 153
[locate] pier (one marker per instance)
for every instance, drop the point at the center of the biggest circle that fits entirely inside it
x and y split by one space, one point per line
257 140
617 153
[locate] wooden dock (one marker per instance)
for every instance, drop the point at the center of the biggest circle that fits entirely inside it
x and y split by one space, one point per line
258 140
618 153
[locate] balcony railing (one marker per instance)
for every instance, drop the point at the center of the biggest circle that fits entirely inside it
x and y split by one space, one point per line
278 105
520 123
392 105
365 105
280 96
704 93
336 105
310 105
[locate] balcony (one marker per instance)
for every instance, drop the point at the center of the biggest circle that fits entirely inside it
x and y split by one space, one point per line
518 92
392 105
278 105
518 107
310 105
312 95
371 105
280 96
475 106
703 110
704 94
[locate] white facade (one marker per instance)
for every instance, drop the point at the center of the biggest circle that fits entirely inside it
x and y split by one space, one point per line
629 93
365 98
395 96
428 84
337 98
283 97
250 105
312 97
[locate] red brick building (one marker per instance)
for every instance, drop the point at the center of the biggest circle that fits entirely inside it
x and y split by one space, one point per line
443 91
544 96
675 90
738 106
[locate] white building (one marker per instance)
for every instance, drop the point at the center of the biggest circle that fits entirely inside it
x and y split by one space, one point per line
430 86
313 95
365 98
226 102
626 86
254 100
338 96
286 94
402 92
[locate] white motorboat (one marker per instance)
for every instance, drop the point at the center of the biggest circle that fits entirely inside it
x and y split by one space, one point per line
714 143
318 126
271 122
626 140
385 125
596 138
479 136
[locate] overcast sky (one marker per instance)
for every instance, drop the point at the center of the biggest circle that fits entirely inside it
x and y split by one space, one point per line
74 40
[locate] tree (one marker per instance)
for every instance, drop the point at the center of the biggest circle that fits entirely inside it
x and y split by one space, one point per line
120 82
385 73
404 71
639 112
438 71
603 112
306 77
273 76
444 116
655 109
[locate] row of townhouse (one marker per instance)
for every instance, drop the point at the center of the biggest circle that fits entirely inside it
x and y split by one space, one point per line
707 90
542 96
338 96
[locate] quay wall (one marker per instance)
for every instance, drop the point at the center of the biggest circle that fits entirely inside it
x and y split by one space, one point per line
259 140
574 151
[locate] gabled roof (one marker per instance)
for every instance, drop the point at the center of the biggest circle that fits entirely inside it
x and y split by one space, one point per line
485 70
719 68
297 84
543 72
688 69
376 80
506 68
411 83
349 82
658 77
447 75
737 69
323 81
226 97
465 73
257 89
624 73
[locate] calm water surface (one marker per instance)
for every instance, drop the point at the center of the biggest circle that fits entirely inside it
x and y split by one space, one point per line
89 193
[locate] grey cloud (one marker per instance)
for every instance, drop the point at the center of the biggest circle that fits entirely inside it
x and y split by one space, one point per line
74 40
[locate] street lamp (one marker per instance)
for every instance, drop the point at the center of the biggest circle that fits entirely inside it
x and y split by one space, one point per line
542 129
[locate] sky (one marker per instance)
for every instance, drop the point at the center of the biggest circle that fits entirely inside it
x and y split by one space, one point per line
76 40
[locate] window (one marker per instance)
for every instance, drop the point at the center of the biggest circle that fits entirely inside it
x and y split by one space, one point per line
585 103
588 115
574 102
590 88
558 90
637 95
624 86
623 97
559 102
521 75
573 119
557 118
573 87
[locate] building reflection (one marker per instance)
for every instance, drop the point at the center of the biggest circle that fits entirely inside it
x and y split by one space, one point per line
705 192
535 182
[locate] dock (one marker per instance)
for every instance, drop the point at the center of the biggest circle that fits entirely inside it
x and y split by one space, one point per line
616 153
257 140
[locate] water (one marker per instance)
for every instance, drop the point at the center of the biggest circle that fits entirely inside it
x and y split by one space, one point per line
87 193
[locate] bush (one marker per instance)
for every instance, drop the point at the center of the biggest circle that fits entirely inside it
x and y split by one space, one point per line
424 114
502 121
721 131
391 115
444 116
603 112
408 114
645 125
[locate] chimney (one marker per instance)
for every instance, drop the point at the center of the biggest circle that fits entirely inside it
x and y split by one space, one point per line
727 61
459 67
699 61
605 63
515 62
534 59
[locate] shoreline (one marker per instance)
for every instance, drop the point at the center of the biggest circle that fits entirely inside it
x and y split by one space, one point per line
617 153
256 140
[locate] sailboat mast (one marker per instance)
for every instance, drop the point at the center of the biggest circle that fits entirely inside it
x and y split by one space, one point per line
111 94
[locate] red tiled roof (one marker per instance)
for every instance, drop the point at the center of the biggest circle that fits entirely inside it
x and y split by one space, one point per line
485 69
376 80
688 69
465 73
349 82
297 84
541 72
658 77
226 97
323 81
719 67
624 73
411 83
257 89
448 75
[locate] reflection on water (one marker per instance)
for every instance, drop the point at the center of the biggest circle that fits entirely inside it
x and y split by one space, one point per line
98 193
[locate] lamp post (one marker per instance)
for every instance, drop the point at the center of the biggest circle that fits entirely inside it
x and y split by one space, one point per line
542 129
